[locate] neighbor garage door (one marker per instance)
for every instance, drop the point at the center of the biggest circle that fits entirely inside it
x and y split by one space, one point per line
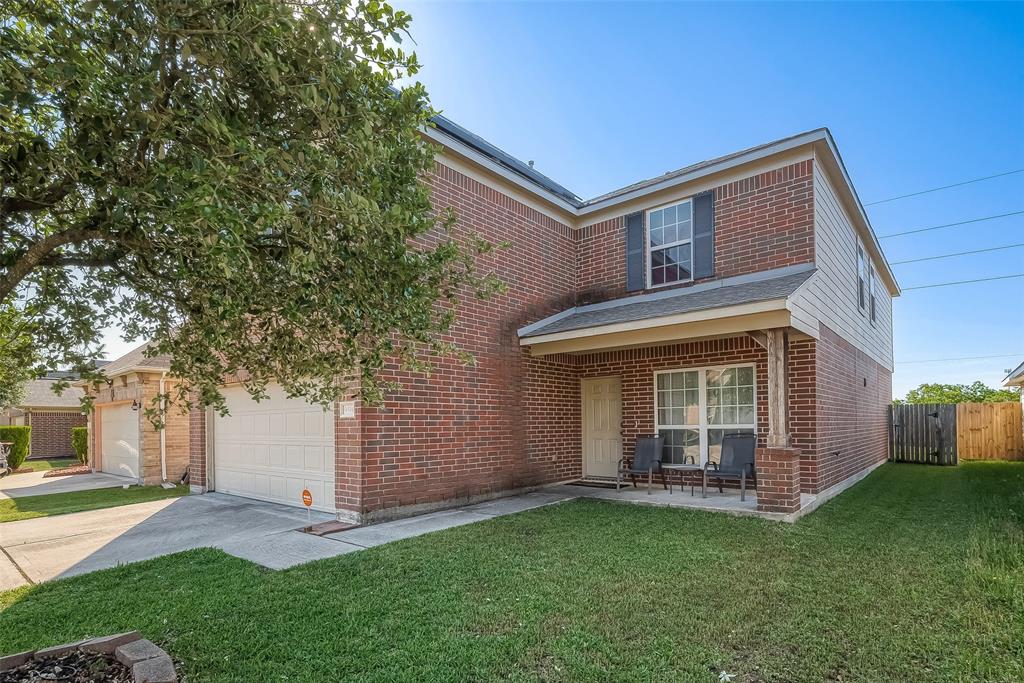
119 440
274 449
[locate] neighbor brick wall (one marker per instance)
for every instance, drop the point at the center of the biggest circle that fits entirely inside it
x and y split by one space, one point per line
51 432
197 446
762 222
463 431
853 393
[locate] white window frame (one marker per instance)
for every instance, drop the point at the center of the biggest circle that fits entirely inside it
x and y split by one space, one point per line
872 302
647 243
702 404
861 277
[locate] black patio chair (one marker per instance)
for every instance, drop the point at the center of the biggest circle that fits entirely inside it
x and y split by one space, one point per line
646 460
736 463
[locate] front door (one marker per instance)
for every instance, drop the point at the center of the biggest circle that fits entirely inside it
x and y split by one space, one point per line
602 417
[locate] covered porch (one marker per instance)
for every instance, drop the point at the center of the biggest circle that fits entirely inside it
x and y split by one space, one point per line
646 366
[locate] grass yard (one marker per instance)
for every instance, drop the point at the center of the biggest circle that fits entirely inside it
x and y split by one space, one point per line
916 574
27 507
47 464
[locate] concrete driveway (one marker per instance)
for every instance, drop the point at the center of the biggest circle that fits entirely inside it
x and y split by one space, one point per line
33 483
36 550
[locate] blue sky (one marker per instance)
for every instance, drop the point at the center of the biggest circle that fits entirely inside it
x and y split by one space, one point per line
917 95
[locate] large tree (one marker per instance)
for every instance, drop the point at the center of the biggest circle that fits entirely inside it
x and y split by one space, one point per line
978 392
236 180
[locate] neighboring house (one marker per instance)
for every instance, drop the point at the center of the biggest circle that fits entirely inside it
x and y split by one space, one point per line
50 416
122 439
745 293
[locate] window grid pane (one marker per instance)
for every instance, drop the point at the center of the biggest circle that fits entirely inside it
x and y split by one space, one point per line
672 225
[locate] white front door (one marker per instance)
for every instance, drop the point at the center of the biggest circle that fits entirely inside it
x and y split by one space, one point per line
119 440
274 449
602 432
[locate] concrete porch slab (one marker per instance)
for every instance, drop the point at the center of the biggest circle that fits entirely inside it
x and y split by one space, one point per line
727 501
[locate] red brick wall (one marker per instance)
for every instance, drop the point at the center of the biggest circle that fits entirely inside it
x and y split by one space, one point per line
51 432
636 367
761 222
601 261
853 392
463 431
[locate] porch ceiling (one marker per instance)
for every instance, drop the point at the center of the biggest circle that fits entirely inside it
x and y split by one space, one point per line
721 308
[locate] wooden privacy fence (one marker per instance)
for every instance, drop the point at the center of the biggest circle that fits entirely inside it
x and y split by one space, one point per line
943 433
989 431
923 432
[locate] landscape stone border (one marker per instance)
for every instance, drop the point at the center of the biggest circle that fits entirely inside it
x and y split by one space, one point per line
149 663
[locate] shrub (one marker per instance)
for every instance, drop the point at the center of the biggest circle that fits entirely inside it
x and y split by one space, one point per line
20 436
80 441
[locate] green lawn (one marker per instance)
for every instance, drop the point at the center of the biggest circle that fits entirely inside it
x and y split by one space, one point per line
27 507
47 464
916 574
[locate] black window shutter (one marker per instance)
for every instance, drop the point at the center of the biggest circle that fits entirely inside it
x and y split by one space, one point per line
635 251
704 235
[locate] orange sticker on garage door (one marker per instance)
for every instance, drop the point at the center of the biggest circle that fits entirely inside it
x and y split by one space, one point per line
307 497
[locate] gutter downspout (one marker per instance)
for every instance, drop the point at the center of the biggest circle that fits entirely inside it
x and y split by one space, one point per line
163 430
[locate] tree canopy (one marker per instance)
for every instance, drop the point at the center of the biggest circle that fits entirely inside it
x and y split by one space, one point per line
237 181
978 392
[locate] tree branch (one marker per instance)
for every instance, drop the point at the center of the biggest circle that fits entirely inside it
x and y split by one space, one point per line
38 252
12 205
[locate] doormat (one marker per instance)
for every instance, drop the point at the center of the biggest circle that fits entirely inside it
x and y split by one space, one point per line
593 484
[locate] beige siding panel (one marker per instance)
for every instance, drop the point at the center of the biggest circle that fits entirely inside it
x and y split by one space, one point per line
831 295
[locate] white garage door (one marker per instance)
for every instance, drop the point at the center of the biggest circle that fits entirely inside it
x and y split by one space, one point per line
273 449
119 440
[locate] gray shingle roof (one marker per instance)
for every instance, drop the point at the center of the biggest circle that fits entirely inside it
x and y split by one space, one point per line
700 297
136 358
39 394
1015 377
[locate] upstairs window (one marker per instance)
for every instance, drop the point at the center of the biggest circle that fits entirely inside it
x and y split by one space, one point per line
862 279
670 244
871 294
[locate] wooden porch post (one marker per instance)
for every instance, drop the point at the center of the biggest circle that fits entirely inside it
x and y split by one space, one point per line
778 387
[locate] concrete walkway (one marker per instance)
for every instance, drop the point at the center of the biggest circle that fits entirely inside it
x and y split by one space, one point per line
34 484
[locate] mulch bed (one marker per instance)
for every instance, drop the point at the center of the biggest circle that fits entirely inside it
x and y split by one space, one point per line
65 471
74 667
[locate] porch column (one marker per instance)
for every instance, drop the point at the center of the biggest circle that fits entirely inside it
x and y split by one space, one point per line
778 388
778 465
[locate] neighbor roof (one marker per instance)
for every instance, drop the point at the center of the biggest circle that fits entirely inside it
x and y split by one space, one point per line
710 295
1016 377
39 394
136 359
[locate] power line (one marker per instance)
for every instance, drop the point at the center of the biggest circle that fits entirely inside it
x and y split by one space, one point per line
959 253
945 187
963 282
943 360
950 225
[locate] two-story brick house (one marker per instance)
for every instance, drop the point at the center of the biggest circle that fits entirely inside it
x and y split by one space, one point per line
745 293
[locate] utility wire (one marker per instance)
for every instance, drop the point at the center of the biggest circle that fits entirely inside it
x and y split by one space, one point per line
945 187
963 282
950 225
943 360
959 253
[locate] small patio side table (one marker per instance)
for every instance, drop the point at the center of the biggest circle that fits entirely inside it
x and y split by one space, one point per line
681 471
